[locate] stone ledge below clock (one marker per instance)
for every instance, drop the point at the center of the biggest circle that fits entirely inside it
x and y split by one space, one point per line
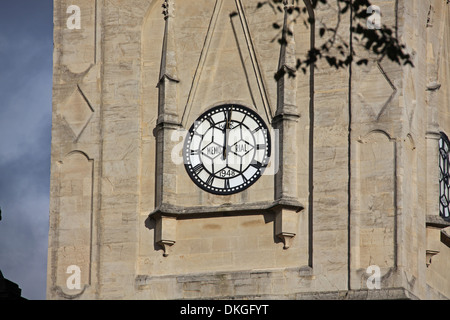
437 221
169 210
441 224
285 211
438 232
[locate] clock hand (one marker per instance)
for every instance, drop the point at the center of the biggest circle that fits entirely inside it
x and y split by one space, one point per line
227 130
224 130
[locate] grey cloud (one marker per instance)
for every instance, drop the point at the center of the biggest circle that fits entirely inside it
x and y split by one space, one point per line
25 128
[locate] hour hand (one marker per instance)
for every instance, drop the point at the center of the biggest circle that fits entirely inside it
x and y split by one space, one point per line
224 152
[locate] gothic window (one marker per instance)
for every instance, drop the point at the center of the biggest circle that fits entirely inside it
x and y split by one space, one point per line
444 148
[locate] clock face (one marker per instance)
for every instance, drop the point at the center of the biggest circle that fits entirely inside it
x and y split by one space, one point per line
227 149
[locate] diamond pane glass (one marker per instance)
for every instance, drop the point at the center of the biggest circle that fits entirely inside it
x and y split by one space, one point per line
444 145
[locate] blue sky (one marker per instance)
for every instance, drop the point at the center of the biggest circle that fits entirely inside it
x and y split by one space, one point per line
26 48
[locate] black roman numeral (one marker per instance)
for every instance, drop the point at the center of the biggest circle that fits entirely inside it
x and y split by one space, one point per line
257 165
210 180
256 130
198 168
260 146
211 121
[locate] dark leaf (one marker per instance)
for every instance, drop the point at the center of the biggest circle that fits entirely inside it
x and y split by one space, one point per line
362 61
322 32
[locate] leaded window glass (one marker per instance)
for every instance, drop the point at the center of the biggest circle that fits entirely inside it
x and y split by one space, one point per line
444 199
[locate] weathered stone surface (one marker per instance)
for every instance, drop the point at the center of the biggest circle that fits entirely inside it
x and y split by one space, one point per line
131 81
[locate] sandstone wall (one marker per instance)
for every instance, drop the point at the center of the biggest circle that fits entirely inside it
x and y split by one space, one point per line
356 181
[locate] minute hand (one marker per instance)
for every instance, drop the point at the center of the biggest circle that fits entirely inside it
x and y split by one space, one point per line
227 130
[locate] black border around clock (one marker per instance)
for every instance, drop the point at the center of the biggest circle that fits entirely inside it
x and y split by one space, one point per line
260 152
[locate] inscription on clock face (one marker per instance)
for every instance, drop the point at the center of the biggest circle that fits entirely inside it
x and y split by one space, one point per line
227 149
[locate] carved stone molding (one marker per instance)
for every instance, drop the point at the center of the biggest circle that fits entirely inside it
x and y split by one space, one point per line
286 218
77 112
226 209
445 236
443 226
437 221
430 254
165 234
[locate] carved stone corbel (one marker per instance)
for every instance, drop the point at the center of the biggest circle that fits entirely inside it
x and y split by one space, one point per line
430 254
286 223
165 232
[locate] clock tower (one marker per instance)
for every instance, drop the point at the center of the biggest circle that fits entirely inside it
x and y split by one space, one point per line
191 159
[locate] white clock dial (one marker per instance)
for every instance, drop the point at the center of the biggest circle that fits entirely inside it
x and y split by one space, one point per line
227 149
